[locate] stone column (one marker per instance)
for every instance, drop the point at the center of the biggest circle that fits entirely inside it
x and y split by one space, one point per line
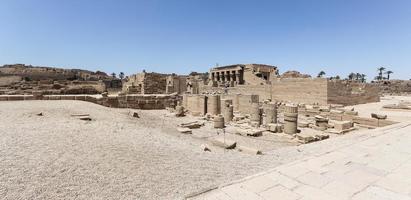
270 110
221 77
290 119
213 105
228 113
227 76
219 121
227 109
255 114
238 77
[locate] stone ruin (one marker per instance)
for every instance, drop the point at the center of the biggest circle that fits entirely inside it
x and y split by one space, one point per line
22 79
246 115
248 100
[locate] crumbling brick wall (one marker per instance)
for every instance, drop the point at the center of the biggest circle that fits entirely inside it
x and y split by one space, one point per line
146 83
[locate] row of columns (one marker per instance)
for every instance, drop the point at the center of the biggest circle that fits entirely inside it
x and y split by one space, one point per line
226 76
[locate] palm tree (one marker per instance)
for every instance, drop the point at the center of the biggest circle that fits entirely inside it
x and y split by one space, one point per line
113 75
321 74
388 74
363 78
351 76
121 75
380 69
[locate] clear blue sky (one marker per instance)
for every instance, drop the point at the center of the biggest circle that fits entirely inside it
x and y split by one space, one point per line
337 36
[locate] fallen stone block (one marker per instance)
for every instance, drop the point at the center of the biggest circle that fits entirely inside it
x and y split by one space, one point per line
184 130
205 147
248 150
135 114
224 143
308 136
378 116
397 106
85 118
305 138
192 125
303 124
180 111
275 128
254 132
340 132
342 125
351 112
80 115
39 114
325 108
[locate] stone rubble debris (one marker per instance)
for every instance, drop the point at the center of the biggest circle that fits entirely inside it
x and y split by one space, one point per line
248 150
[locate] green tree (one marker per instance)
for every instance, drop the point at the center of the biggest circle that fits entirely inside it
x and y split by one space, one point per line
321 74
388 74
381 70
121 75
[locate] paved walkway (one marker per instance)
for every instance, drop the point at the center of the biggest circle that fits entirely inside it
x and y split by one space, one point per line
377 167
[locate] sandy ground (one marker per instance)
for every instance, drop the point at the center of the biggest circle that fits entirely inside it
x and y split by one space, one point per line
365 110
116 156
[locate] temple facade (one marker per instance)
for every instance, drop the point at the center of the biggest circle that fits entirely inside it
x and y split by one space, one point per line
241 74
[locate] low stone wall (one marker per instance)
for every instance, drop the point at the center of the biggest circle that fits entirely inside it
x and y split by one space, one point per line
148 102
305 90
196 104
352 93
394 87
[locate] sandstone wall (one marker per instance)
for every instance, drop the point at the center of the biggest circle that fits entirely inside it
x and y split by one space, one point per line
127 101
395 87
8 80
351 93
196 104
146 83
306 90
300 90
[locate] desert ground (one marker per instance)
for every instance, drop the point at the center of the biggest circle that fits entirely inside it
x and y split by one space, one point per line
117 156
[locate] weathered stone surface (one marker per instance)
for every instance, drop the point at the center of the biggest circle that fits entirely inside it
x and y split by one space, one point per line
342 125
184 130
350 112
378 116
290 119
303 124
192 125
179 111
224 143
85 118
205 147
250 132
219 121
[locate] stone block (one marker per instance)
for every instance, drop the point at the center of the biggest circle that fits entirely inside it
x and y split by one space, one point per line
224 143
342 125
184 130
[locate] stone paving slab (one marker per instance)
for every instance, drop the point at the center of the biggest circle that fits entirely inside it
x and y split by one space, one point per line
377 167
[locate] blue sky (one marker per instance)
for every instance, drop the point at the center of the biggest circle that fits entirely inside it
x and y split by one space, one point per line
337 36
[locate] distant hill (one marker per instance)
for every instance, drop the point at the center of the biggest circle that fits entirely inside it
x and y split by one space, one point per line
35 73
